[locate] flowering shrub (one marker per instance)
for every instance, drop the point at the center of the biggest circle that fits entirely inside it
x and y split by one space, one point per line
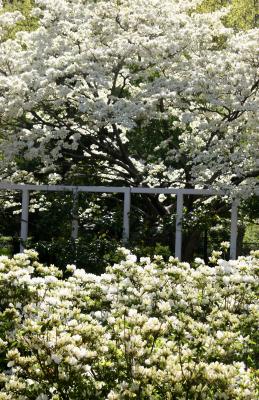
143 330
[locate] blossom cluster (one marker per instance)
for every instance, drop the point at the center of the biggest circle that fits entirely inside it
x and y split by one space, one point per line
145 329
94 72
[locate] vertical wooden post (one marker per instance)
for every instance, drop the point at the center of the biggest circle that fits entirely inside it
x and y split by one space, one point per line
24 219
74 231
178 226
126 217
234 230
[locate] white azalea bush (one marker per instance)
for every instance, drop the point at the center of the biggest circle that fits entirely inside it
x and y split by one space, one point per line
143 330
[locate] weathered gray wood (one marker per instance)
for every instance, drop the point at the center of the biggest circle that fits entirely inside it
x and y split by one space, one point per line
24 219
126 216
178 226
234 230
62 188
75 225
195 192
112 189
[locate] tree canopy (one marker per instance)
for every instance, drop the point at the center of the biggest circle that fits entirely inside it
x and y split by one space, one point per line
93 81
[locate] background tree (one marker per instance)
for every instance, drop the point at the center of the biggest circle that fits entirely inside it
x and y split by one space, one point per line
25 7
243 13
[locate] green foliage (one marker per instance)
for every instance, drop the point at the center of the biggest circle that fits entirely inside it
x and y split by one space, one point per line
6 246
91 253
251 237
29 23
242 15
249 212
143 250
100 230
144 140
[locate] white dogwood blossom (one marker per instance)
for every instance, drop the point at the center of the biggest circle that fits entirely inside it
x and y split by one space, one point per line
96 75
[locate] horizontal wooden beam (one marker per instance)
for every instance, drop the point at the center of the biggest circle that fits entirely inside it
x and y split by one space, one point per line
115 189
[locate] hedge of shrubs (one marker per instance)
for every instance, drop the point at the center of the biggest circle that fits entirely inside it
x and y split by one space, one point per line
142 330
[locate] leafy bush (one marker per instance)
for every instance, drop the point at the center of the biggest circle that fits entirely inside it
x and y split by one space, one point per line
143 330
99 251
6 245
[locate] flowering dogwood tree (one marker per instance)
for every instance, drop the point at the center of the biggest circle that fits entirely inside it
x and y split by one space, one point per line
137 92
94 73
